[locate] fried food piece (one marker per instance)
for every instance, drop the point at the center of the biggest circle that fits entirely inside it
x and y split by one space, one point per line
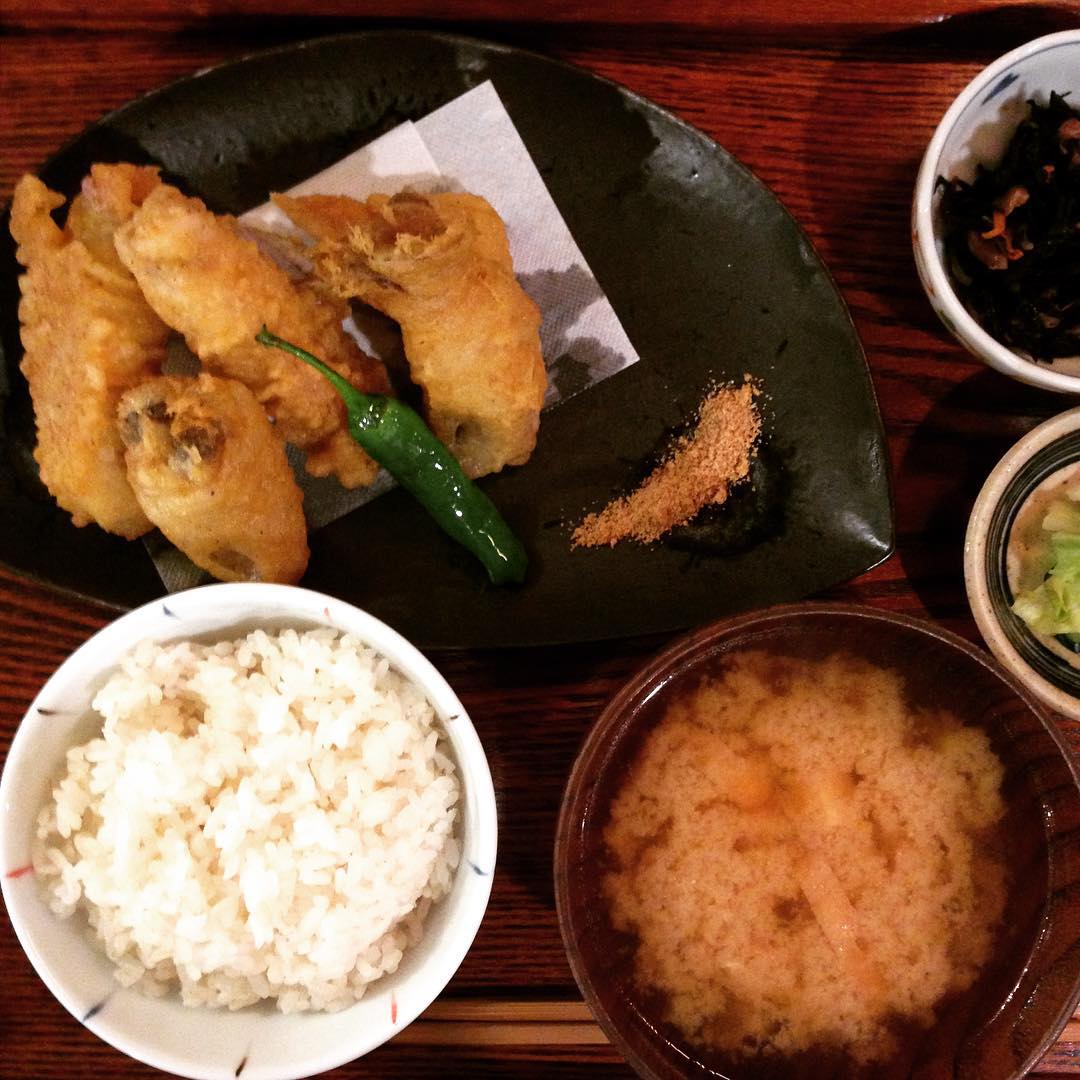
217 289
110 195
440 266
88 335
212 476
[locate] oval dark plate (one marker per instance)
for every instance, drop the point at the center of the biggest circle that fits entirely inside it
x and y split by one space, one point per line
709 274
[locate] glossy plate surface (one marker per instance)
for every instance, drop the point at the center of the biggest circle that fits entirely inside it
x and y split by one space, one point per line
709 274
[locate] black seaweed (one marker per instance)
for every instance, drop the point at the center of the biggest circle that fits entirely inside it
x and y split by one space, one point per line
1033 304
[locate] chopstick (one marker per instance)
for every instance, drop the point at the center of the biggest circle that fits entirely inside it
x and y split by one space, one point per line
533 1023
504 1023
479 1009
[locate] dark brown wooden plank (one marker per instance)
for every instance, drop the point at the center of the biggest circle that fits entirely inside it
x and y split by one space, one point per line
728 16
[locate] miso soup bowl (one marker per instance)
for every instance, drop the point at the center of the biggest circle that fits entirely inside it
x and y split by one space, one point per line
259 1042
1029 988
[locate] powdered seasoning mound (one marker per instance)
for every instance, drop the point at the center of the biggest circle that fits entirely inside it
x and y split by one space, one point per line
700 471
268 818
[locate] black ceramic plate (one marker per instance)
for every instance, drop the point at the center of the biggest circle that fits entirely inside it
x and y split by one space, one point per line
709 274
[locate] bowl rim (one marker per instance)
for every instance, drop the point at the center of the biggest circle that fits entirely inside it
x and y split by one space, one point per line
298 606
670 662
975 552
935 279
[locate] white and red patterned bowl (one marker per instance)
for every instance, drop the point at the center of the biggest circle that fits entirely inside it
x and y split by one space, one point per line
257 1043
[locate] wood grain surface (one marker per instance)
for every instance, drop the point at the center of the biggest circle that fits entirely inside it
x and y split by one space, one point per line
831 104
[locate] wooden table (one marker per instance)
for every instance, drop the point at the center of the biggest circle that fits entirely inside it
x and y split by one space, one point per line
831 104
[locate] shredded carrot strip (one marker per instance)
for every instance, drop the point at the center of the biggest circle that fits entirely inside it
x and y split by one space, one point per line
999 226
1012 252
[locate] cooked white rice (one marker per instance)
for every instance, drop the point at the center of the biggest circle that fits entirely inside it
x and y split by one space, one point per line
263 818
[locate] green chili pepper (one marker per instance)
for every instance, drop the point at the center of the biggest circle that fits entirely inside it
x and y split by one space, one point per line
399 440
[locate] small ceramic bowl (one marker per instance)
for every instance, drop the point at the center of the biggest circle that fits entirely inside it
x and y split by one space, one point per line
975 131
257 1043
1021 1000
1039 457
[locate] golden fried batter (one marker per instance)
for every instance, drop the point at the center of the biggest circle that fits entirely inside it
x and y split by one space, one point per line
88 335
440 266
110 195
217 289
211 475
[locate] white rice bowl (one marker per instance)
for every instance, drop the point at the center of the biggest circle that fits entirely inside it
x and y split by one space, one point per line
265 818
259 1042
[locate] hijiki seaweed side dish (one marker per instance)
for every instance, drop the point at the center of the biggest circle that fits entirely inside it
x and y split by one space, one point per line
1012 237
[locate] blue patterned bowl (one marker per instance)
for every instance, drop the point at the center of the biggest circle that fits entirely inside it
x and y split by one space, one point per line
976 130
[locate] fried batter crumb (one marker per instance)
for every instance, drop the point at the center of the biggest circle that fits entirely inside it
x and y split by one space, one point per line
700 471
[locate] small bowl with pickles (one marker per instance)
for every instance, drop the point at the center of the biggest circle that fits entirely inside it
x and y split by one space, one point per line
1022 562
